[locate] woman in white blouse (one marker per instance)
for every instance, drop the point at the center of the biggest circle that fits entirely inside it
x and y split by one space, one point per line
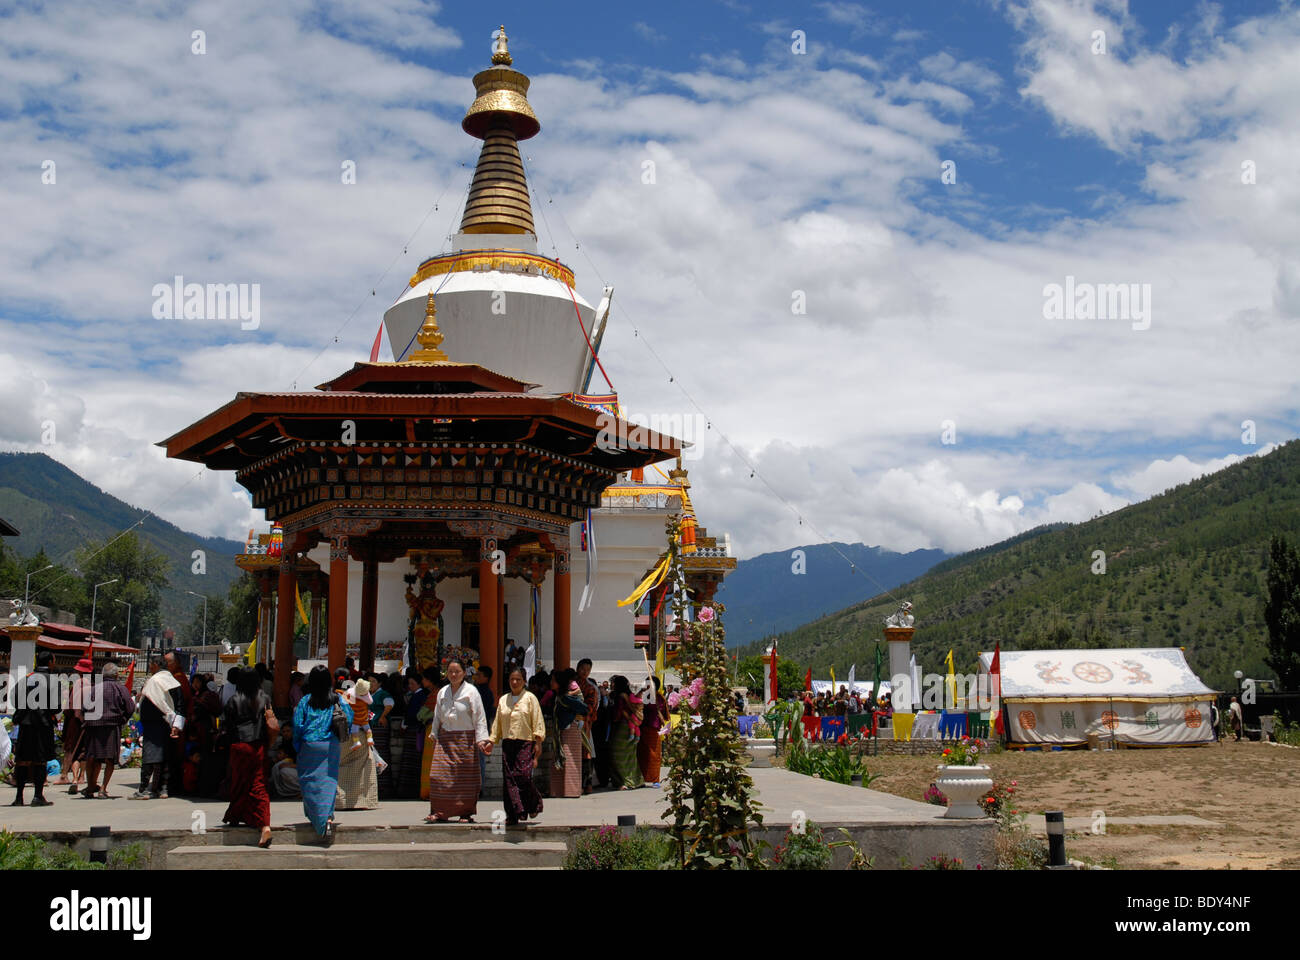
458 728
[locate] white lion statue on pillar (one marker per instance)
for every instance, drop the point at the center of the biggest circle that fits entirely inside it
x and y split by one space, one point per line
902 617
21 616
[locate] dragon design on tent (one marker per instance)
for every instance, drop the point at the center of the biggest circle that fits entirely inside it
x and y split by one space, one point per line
1047 671
1137 673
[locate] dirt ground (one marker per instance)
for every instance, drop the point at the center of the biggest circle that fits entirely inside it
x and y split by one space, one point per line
1250 790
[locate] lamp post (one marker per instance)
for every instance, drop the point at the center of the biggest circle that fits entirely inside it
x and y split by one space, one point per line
205 614
128 620
1055 838
1238 674
27 590
95 600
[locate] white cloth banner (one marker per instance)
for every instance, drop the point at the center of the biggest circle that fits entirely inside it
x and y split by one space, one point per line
1126 721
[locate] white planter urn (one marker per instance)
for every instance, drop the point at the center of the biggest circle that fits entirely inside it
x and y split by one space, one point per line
964 787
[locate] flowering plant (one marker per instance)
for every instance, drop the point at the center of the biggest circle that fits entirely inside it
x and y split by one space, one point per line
998 800
934 795
803 849
689 694
942 862
706 615
711 802
965 753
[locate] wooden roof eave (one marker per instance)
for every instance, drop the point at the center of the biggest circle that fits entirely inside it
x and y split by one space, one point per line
249 412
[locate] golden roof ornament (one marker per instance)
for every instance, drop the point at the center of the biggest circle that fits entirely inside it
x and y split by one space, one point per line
678 475
430 338
500 54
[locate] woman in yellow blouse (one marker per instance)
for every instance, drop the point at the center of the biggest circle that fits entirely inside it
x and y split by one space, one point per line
520 729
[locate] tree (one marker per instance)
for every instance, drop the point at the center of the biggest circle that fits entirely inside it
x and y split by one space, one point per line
789 675
1282 612
238 622
57 588
141 574
196 630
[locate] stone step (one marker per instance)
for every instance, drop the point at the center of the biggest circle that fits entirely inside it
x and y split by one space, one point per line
371 856
347 834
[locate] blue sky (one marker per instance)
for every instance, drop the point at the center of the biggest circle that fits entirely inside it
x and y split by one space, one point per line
779 176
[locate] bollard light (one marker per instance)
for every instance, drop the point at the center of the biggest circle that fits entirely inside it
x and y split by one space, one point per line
99 844
1055 838
627 824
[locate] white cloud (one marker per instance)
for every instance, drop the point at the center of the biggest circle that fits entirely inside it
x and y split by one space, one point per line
1161 475
960 73
791 175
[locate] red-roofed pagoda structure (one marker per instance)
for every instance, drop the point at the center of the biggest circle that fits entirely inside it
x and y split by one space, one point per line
466 471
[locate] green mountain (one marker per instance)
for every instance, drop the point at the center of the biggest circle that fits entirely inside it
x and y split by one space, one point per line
763 595
56 510
1185 568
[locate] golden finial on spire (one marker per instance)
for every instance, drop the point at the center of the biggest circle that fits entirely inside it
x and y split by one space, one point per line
430 337
500 54
678 475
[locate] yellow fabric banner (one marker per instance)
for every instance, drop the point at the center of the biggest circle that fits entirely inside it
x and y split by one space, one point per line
653 580
302 611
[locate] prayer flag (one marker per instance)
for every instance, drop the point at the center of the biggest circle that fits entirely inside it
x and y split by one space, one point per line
880 662
374 347
853 673
807 681
952 682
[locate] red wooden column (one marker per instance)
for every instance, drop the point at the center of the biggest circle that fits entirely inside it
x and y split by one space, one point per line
561 610
489 610
338 601
284 627
369 609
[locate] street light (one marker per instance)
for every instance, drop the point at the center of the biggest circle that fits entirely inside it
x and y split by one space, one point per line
128 620
205 614
95 600
27 590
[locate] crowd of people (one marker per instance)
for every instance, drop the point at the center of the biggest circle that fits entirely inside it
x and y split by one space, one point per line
559 734
843 703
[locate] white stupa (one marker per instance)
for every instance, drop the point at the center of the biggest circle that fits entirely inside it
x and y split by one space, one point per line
500 303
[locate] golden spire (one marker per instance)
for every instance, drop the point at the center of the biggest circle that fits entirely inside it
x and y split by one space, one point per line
501 54
500 116
430 338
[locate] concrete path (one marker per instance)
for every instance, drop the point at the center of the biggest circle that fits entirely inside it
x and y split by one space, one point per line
780 792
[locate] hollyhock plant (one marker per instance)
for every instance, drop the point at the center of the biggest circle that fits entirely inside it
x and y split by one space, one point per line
710 795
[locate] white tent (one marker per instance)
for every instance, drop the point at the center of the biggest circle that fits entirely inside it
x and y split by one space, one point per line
1147 696
863 687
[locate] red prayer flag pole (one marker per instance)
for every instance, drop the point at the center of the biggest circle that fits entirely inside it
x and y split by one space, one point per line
995 672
